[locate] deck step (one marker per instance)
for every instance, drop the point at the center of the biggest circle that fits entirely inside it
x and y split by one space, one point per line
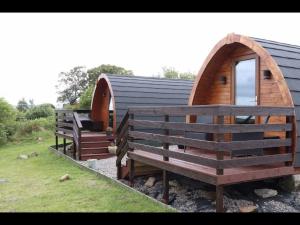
85 157
94 150
93 138
95 144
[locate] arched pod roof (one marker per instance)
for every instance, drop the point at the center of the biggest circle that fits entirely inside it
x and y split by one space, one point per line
144 91
283 60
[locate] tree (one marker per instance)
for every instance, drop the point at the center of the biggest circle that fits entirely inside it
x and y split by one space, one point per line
7 112
86 98
171 73
94 73
40 111
71 85
22 105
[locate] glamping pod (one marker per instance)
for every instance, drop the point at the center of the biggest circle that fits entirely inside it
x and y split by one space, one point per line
241 120
114 94
249 71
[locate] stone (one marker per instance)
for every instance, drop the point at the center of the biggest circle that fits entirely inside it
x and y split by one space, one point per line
64 177
2 181
112 149
22 156
39 139
265 192
290 183
173 183
150 182
209 195
276 206
248 209
91 163
234 205
34 154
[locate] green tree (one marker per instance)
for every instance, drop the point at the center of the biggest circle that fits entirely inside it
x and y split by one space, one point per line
40 111
7 117
71 85
86 98
94 73
171 73
22 105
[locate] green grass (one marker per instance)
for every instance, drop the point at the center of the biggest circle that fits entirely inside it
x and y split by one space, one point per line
33 185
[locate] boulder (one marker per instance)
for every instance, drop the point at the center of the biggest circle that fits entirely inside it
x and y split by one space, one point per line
2 181
173 183
150 182
290 183
22 156
265 192
33 154
112 149
248 209
64 177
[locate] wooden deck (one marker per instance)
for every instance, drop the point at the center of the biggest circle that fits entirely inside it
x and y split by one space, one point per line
208 174
219 152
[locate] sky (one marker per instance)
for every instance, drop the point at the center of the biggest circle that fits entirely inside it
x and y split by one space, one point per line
36 47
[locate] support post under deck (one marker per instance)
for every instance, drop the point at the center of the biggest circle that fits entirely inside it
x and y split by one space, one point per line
131 172
219 198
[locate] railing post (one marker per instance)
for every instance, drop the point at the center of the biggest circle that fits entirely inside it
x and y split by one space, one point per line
220 156
131 161
56 125
64 139
165 198
291 134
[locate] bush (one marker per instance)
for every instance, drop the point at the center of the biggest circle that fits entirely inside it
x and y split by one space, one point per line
29 126
3 134
40 111
86 98
7 112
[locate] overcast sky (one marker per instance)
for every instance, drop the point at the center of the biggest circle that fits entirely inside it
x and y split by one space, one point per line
34 48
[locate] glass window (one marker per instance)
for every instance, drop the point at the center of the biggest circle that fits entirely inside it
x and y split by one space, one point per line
245 91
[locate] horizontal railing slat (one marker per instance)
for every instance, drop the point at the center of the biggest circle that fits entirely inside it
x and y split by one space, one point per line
64 130
253 144
59 124
211 128
209 145
214 110
177 155
254 161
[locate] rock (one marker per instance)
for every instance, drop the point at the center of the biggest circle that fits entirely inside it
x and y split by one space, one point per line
39 139
173 183
112 149
150 182
22 156
64 177
297 200
33 154
91 163
2 181
234 205
265 192
210 195
290 183
248 209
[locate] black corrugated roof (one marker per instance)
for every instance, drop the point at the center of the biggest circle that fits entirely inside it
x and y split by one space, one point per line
148 91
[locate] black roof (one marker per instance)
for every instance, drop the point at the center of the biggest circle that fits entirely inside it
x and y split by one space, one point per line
147 91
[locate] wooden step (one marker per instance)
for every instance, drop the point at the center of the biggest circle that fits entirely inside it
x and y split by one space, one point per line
94 150
95 144
96 156
93 138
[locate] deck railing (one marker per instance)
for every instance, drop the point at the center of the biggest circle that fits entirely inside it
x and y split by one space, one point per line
222 143
68 125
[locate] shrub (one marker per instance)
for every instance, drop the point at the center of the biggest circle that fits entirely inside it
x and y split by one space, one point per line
29 126
3 134
40 111
86 98
7 112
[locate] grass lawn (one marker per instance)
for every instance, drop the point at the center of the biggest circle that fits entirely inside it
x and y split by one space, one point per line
33 185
